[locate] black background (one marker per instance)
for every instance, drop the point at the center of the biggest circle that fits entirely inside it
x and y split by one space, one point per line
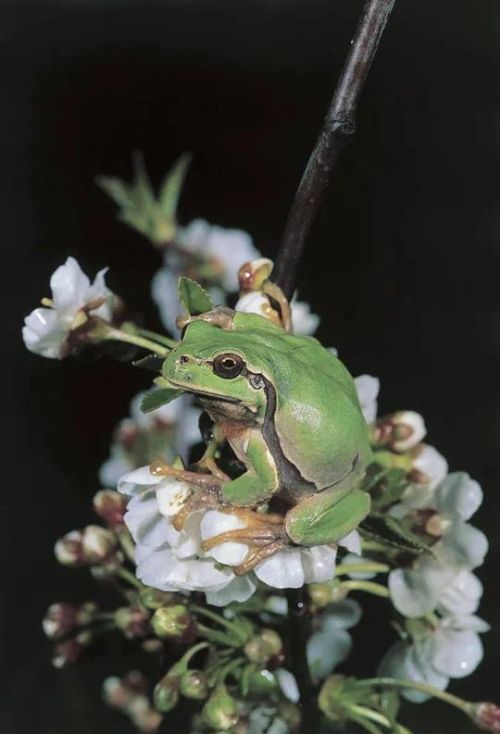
402 263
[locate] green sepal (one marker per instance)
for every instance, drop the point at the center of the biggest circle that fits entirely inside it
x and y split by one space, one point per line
391 532
386 486
193 298
171 185
156 398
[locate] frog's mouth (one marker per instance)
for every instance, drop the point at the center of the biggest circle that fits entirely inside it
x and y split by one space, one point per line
205 393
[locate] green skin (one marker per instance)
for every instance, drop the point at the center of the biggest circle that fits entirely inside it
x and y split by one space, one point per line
291 415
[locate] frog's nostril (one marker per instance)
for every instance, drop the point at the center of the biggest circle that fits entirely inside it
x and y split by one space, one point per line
183 359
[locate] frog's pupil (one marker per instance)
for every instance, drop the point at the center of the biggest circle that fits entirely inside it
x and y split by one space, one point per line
228 365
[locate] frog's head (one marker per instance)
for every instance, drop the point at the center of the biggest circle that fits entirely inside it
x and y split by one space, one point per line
213 362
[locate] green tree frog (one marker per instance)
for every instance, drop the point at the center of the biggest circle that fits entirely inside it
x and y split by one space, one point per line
290 412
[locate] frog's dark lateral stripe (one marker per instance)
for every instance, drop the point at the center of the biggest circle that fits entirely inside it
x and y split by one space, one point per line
290 476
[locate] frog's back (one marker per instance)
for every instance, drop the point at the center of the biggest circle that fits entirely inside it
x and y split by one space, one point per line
318 419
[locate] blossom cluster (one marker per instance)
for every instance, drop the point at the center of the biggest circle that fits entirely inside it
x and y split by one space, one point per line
417 550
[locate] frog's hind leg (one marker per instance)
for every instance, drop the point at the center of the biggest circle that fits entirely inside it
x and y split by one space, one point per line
329 515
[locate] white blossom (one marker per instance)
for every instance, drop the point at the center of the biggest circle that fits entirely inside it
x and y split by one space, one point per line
170 560
450 647
331 643
47 328
443 579
368 389
166 432
206 252
229 248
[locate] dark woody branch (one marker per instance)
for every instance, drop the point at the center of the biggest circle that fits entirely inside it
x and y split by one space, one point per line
338 126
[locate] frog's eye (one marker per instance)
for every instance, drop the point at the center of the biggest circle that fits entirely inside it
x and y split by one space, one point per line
228 365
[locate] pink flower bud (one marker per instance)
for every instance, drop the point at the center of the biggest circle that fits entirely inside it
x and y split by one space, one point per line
68 549
59 620
69 651
133 622
97 544
111 507
487 716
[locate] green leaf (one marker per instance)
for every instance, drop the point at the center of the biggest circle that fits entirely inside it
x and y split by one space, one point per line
156 398
389 531
172 184
116 190
193 297
143 190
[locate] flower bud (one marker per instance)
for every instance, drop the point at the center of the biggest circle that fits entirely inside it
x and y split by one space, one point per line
486 716
59 620
68 549
290 713
253 274
428 465
110 506
69 651
320 594
97 544
142 714
261 682
133 621
220 711
115 693
194 685
166 693
262 647
399 431
173 622
152 645
332 701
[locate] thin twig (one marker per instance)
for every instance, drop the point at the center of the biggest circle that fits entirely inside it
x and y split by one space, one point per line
339 124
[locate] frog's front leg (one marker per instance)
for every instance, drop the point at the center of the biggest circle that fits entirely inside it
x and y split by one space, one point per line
329 515
263 532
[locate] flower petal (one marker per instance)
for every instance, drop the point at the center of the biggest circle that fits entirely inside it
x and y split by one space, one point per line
414 592
283 570
368 388
460 495
44 332
144 522
318 563
326 649
215 522
239 589
431 463
462 596
351 542
288 684
463 546
136 481
69 286
457 652
171 494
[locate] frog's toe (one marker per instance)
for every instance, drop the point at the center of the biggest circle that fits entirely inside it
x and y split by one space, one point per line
256 555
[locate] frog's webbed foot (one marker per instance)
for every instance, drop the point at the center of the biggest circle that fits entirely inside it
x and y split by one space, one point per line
264 534
206 496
